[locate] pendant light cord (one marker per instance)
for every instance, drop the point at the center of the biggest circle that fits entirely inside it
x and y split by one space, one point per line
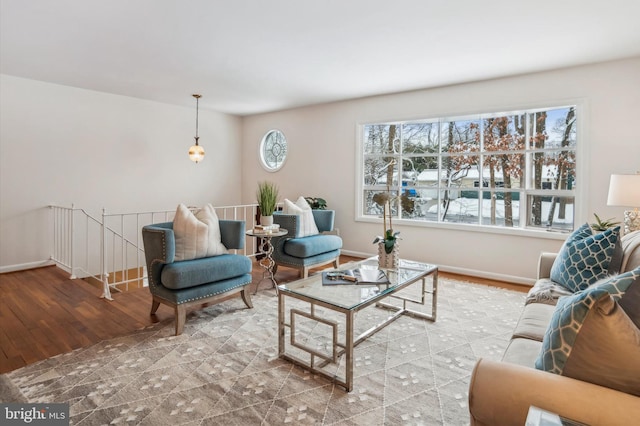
197 114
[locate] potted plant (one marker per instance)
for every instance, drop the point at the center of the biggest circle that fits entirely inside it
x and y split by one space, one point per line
603 225
388 238
267 195
388 254
317 203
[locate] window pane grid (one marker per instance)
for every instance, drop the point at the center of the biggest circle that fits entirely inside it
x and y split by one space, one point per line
504 169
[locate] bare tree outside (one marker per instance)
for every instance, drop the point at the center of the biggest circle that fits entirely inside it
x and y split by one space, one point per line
565 164
538 138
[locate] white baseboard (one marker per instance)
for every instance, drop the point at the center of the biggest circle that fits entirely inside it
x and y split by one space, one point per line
24 266
357 254
443 268
488 275
462 271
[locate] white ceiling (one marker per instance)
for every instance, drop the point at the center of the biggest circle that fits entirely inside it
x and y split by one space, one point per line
252 56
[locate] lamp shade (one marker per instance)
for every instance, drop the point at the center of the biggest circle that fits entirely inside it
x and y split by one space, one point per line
624 191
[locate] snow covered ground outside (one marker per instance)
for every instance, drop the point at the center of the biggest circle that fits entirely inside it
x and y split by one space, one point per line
466 210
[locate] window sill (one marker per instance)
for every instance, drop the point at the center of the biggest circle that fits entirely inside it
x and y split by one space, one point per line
463 227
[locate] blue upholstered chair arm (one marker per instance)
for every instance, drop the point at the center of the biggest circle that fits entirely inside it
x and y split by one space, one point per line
159 249
232 233
290 222
324 219
159 242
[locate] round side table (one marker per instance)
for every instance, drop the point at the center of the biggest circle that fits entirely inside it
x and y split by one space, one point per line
267 261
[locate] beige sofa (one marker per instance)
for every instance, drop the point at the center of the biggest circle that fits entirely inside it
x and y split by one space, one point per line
500 393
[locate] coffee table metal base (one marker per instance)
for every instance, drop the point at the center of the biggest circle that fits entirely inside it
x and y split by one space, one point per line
318 359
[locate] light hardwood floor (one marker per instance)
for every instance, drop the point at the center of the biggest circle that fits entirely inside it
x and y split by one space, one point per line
43 313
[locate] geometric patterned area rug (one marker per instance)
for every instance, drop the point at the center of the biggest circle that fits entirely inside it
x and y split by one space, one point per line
224 369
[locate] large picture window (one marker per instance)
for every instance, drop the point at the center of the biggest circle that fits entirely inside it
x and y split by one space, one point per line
515 169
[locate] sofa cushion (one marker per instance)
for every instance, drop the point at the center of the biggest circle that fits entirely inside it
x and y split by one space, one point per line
631 251
303 209
522 351
312 245
197 235
534 321
191 273
584 257
590 338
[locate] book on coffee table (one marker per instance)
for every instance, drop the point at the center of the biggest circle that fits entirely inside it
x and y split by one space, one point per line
355 276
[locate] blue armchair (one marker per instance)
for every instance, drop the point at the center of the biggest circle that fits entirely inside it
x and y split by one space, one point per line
187 283
307 252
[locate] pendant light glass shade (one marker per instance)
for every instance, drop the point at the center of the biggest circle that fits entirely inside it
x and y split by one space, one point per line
196 152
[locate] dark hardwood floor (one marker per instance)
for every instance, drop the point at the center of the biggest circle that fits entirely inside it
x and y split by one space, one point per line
43 313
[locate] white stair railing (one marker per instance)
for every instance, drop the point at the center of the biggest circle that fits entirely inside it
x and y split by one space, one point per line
110 251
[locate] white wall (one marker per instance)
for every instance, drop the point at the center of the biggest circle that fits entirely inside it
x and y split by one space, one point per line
322 157
65 145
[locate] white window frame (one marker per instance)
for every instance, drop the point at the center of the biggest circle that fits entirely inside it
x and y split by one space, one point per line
581 193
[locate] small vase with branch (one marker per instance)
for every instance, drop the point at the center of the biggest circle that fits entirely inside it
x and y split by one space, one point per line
388 250
388 256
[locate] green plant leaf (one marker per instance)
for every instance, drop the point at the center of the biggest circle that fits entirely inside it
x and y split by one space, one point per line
316 202
267 195
603 225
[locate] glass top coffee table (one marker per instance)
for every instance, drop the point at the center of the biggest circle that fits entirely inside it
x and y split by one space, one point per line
332 308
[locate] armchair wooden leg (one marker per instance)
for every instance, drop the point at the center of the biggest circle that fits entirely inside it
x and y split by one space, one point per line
336 263
154 306
246 297
305 272
181 317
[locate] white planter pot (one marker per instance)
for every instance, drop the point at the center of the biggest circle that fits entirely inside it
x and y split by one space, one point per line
266 220
388 260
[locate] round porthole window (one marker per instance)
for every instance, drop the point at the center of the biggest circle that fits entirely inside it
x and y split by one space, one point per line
273 150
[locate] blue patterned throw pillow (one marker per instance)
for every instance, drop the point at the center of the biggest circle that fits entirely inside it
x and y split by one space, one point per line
565 324
617 286
591 338
569 316
584 258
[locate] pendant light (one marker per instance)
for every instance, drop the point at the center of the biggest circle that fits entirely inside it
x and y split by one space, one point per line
196 152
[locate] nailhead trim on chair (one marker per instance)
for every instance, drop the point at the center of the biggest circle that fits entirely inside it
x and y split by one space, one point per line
213 294
297 266
311 265
154 261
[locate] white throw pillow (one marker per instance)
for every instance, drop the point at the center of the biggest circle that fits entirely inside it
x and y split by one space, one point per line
302 209
197 235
